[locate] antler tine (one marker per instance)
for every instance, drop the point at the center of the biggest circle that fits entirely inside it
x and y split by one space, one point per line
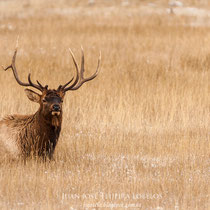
76 85
40 84
13 67
63 86
82 64
77 72
39 87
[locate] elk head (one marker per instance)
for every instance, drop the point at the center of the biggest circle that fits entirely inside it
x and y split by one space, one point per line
51 100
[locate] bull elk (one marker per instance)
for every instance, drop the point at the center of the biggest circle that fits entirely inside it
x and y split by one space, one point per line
38 134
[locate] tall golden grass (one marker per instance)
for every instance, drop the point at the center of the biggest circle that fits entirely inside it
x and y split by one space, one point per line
138 135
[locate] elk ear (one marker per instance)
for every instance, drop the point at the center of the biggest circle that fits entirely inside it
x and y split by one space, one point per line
33 96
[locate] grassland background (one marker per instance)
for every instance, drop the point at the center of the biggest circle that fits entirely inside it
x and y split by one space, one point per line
140 129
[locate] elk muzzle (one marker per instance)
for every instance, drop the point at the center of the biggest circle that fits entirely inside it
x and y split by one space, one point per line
56 110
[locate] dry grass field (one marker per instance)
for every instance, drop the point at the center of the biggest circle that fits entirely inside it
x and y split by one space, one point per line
137 136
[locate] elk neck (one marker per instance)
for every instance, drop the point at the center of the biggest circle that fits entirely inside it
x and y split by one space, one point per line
51 123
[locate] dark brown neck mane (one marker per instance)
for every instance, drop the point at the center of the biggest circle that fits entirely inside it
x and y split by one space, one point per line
40 135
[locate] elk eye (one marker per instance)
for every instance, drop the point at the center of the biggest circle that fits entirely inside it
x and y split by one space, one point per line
44 101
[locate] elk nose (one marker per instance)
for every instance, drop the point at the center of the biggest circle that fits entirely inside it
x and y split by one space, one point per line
56 107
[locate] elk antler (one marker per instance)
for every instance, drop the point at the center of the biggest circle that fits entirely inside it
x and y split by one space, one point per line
80 80
31 84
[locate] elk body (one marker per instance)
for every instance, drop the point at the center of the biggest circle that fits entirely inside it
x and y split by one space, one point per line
38 134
